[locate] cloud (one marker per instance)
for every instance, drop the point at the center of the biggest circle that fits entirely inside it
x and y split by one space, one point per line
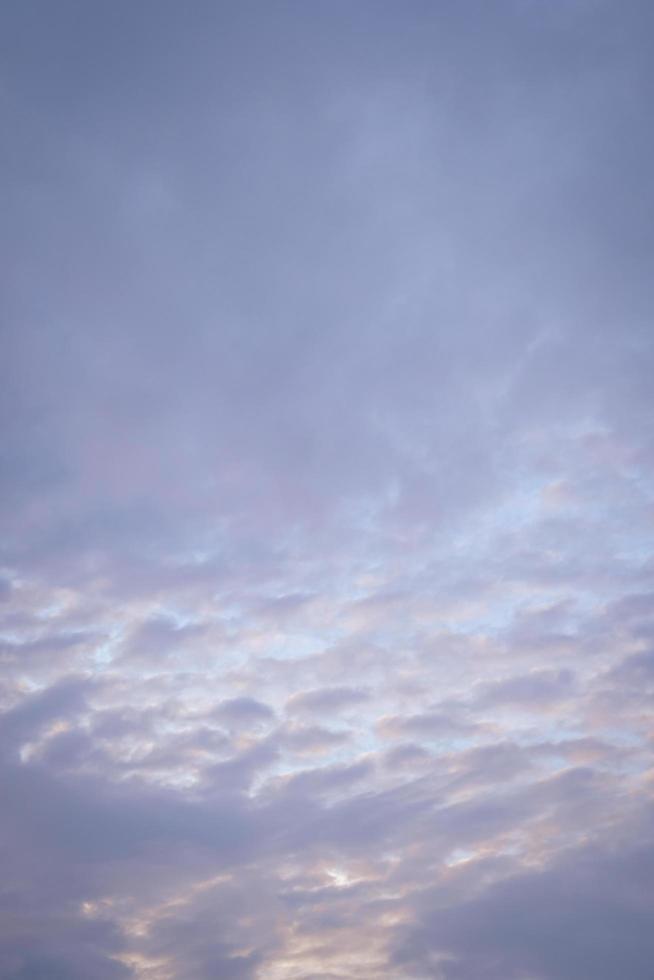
243 712
585 916
538 689
327 700
309 739
64 699
326 479
435 724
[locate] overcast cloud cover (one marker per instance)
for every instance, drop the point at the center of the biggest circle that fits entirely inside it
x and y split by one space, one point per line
327 589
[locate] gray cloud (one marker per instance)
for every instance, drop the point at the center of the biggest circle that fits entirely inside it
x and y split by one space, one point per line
585 917
243 711
537 689
326 476
328 700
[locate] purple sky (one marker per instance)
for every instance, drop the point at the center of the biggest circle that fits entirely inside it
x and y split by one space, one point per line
327 527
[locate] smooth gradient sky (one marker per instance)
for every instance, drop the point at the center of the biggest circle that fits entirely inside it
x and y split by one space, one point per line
327 527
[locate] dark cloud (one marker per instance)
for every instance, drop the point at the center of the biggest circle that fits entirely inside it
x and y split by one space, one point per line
636 671
435 724
243 712
540 688
65 699
327 700
161 636
585 917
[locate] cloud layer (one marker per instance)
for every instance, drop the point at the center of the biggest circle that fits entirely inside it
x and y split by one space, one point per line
326 577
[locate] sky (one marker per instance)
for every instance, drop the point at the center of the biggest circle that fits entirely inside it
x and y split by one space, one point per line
327 524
